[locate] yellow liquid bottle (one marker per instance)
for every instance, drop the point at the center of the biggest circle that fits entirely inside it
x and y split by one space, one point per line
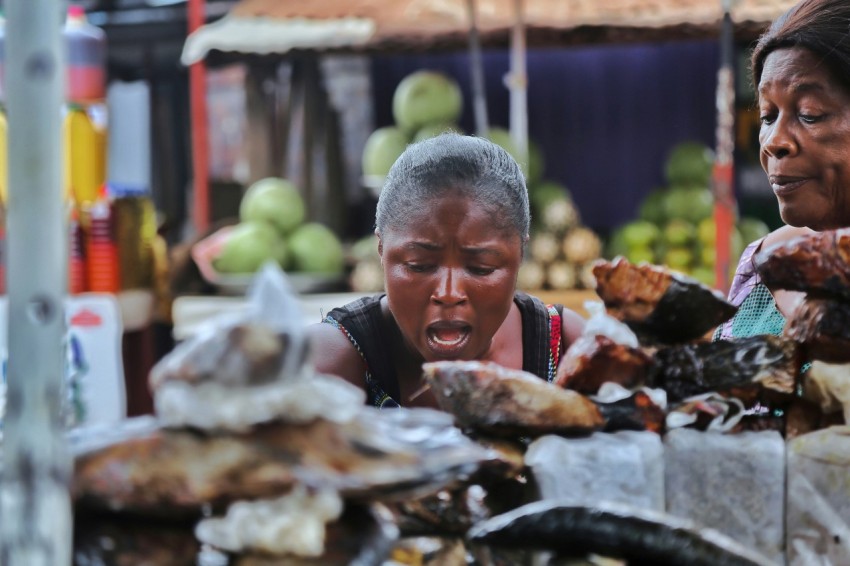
85 153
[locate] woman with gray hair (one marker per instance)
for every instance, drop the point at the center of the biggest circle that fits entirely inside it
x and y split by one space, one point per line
452 220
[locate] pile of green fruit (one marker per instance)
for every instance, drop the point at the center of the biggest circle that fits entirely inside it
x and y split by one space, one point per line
272 226
675 225
426 104
561 250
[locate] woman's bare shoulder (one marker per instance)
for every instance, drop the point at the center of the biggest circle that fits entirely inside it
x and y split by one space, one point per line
334 354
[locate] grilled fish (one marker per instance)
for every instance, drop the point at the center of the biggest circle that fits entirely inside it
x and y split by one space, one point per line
683 371
637 535
591 361
822 326
378 455
489 398
818 264
659 305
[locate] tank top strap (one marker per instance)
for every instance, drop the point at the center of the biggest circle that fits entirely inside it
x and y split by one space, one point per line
540 351
555 334
361 322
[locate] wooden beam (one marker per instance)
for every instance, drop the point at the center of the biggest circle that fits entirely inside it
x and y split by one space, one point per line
200 136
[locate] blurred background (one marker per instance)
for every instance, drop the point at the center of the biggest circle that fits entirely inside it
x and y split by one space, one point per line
204 137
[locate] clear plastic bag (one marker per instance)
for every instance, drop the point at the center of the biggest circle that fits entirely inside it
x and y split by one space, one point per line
251 366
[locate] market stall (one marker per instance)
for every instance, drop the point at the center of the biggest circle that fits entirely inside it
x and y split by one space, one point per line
652 445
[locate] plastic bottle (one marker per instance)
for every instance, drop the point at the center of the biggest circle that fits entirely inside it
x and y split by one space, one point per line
85 151
85 46
76 258
135 225
102 268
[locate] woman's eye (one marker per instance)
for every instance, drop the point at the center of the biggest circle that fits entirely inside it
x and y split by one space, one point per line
767 118
419 267
810 118
481 270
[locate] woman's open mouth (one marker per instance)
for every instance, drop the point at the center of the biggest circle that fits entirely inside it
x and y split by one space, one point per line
447 339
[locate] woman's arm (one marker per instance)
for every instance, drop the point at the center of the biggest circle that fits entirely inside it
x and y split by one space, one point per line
572 325
334 354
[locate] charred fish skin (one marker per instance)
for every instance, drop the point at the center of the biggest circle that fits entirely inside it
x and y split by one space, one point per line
818 264
489 398
687 311
822 326
658 304
590 361
636 412
687 370
619 531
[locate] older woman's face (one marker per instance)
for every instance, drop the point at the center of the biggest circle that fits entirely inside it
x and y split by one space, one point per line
450 277
805 139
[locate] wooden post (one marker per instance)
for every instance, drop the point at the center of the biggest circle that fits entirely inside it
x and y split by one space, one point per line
518 85
476 66
35 507
200 141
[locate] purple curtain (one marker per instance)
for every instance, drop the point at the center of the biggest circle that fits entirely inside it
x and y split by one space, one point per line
605 116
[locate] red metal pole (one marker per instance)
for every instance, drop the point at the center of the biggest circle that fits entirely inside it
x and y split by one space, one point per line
199 139
725 209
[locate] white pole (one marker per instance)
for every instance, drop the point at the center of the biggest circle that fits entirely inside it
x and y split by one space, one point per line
35 508
518 85
476 67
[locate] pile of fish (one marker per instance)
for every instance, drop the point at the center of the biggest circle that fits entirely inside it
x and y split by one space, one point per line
254 458
819 265
642 363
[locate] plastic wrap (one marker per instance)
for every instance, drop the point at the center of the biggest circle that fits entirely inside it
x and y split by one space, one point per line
251 366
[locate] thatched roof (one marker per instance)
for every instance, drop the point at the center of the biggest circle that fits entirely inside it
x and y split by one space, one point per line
278 26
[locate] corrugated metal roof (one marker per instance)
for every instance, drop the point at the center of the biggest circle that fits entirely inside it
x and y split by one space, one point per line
277 26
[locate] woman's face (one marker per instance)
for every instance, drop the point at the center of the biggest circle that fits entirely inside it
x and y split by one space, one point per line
450 275
805 139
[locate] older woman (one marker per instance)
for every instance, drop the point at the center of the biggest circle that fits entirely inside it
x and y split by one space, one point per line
802 68
452 220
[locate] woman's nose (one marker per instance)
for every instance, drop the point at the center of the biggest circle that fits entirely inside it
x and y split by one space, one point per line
449 289
779 140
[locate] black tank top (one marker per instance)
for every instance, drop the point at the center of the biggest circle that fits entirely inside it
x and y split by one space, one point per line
364 325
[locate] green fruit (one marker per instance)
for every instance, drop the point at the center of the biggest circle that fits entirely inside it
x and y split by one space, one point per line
314 248
752 229
640 234
536 163
640 255
502 138
707 236
275 201
708 256
426 97
679 232
365 249
689 163
706 232
247 247
544 194
679 259
432 130
382 149
616 245
704 275
689 204
652 207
